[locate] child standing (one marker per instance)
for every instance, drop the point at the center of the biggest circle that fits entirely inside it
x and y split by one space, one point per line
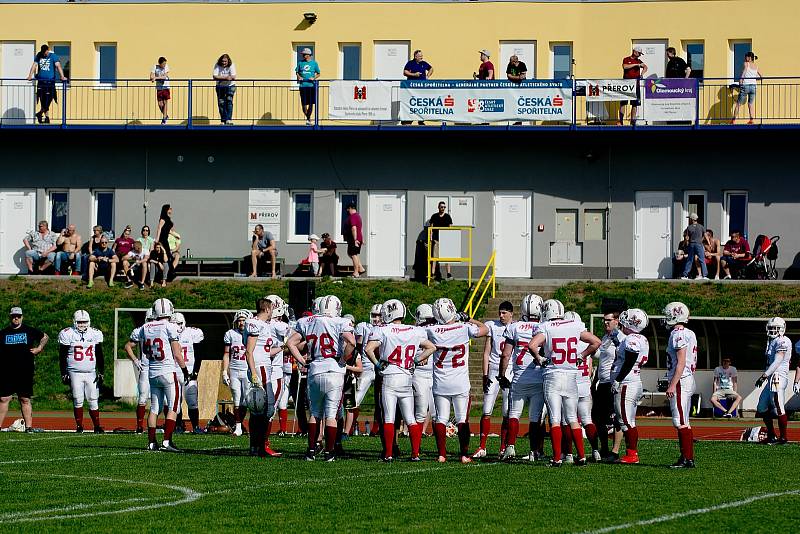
313 254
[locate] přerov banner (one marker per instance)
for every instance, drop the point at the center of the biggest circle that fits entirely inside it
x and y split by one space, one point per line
360 100
670 99
610 90
478 101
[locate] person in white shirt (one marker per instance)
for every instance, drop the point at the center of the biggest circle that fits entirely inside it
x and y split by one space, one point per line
772 401
225 75
134 265
681 365
160 75
189 337
234 367
143 380
726 383
82 367
367 376
602 396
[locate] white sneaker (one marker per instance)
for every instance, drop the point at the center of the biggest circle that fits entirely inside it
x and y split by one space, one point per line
684 277
509 453
238 430
703 278
480 453
569 459
531 457
716 278
596 456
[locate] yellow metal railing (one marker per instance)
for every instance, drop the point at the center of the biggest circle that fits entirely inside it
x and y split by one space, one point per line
486 282
467 258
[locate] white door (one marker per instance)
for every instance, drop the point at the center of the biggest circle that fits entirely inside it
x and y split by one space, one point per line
386 231
655 56
17 101
17 217
512 234
653 234
390 58
524 50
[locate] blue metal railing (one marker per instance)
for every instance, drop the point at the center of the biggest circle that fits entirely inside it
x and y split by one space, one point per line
276 103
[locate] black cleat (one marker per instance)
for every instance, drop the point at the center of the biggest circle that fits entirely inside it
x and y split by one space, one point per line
79 429
99 430
168 446
554 463
415 459
581 463
330 456
139 430
310 455
780 441
152 447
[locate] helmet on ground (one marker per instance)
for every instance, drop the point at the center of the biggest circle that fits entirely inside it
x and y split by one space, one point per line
149 315
776 327
179 320
330 306
81 321
552 309
256 400
163 308
375 315
17 426
393 310
278 305
424 313
444 311
531 307
315 309
674 313
634 319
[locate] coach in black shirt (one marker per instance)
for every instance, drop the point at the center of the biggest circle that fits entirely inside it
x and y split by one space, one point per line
18 346
676 66
440 219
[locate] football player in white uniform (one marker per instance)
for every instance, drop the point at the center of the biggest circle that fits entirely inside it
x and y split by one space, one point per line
560 340
772 402
280 326
367 376
492 352
400 348
189 337
159 339
322 334
526 379
424 407
234 367
451 372
283 400
602 396
584 396
82 366
143 380
632 354
681 364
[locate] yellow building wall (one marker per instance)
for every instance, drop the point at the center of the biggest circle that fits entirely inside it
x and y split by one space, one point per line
259 37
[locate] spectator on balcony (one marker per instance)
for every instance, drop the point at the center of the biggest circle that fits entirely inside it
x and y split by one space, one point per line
160 75
158 264
354 238
329 259
676 66
263 244
735 254
45 66
135 265
146 240
633 68
225 75
313 254
307 73
440 219
124 243
695 232
747 86
87 248
485 69
70 242
417 69
40 244
725 386
516 71
103 261
713 254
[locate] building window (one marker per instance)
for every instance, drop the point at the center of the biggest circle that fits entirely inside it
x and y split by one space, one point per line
64 53
301 215
695 202
297 57
561 60
736 212
344 199
350 60
737 50
594 225
59 209
106 63
104 210
696 59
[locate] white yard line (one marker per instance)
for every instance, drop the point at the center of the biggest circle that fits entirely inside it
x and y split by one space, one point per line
66 458
73 435
698 511
79 506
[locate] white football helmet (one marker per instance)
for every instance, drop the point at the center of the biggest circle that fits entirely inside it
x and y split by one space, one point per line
349 317
423 314
674 313
393 310
552 309
163 308
256 400
375 315
17 426
315 309
330 306
444 311
81 321
241 314
572 316
531 307
634 319
776 327
278 305
149 315
179 320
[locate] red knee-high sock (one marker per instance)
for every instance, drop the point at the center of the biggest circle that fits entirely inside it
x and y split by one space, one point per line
95 415
169 427
330 437
140 417
533 435
503 433
513 431
463 437
415 432
267 432
566 439
313 430
78 412
783 421
591 434
486 425
151 434
283 418
237 414
577 437
194 417
632 440
687 443
555 437
441 438
388 438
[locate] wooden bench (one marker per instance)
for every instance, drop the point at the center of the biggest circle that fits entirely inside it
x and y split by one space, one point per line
224 265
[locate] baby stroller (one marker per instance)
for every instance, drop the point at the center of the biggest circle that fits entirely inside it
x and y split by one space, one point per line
765 253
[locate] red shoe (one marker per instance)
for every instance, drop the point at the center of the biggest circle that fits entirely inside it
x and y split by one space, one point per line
271 453
750 121
631 457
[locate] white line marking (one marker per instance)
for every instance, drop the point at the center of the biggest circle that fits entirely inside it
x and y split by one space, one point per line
698 511
83 457
75 435
79 506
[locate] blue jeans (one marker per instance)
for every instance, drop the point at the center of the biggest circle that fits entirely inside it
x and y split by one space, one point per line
225 102
692 251
64 257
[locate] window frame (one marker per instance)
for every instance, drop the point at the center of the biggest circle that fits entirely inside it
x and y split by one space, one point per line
685 46
291 236
50 204
732 59
95 210
726 214
340 206
685 207
342 46
67 71
100 84
295 59
553 46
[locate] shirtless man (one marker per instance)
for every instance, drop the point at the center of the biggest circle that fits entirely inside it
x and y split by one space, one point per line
70 242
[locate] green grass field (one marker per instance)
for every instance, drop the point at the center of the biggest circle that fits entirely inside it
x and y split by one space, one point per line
108 483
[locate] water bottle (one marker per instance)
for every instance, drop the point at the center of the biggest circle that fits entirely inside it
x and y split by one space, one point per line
366 428
355 429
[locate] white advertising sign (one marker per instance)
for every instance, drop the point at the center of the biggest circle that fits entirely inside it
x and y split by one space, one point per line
610 90
264 208
360 100
670 99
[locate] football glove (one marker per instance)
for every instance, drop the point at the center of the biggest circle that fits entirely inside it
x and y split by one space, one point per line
760 381
382 365
65 379
255 380
615 387
193 376
486 383
98 379
226 379
185 372
796 388
138 365
504 382
463 317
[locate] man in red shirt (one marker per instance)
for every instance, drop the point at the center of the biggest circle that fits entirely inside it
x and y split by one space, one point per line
486 69
736 254
353 237
633 68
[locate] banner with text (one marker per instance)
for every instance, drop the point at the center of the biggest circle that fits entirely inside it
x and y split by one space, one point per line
264 208
610 90
360 100
670 99
479 101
